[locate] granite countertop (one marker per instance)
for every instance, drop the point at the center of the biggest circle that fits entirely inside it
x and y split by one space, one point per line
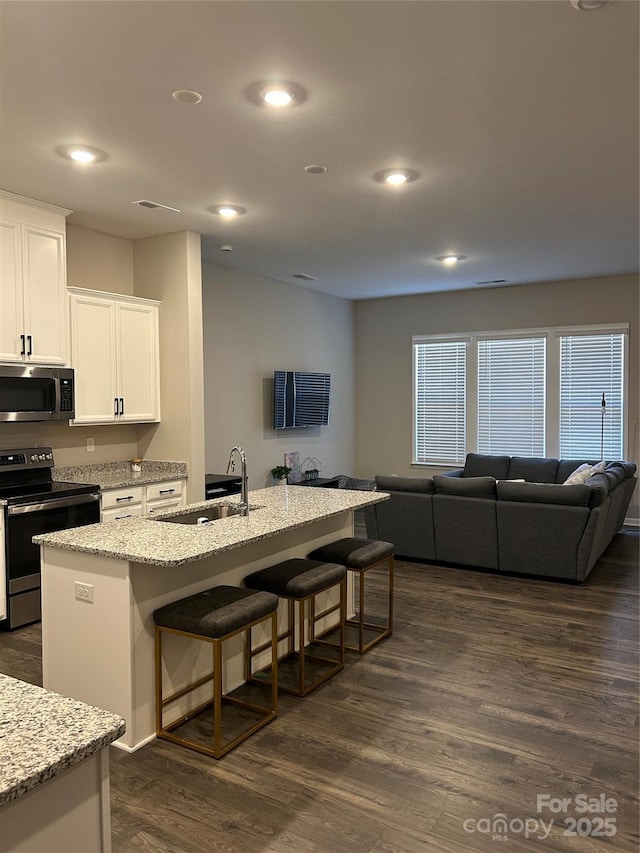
43 733
272 511
115 475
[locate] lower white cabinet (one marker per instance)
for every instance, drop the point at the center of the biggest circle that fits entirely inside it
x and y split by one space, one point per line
142 500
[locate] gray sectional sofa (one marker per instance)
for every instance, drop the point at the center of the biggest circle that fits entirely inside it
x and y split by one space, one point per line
507 513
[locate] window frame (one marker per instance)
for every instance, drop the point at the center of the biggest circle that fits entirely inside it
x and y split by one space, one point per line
552 381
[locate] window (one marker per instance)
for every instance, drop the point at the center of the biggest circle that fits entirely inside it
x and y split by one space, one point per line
535 392
440 391
591 366
511 396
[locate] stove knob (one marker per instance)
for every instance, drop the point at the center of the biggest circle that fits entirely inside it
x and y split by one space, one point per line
34 458
41 457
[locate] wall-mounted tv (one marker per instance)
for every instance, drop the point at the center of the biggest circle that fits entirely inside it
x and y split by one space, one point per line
300 399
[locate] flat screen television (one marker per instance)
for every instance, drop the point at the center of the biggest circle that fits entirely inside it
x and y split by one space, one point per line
300 399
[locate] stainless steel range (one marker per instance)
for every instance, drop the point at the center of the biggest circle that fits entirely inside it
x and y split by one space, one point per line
32 503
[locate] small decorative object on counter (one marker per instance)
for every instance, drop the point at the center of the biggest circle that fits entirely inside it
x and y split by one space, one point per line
280 473
136 465
311 468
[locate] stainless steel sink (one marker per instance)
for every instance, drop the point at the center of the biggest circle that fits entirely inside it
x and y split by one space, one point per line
204 516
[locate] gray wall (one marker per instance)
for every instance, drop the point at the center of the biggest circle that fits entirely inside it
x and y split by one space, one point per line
253 326
384 328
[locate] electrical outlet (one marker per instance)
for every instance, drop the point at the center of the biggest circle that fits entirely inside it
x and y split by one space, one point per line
91 445
84 592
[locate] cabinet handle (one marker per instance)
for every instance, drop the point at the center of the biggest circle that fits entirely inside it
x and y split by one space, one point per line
115 407
23 338
122 405
167 491
30 339
128 498
120 517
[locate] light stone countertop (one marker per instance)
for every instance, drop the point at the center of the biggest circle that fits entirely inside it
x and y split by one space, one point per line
43 733
272 511
115 475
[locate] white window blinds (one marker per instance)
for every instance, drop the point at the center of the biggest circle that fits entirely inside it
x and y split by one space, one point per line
511 396
590 366
440 393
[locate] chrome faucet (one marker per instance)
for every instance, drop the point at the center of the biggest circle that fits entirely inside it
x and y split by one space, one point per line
244 490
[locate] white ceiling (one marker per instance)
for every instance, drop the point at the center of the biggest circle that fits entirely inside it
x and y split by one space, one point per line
520 115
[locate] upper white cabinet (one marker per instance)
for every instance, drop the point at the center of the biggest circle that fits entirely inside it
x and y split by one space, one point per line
115 354
33 300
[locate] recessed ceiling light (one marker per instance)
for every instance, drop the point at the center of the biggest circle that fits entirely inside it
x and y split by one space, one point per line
277 97
228 211
396 177
450 259
588 5
315 169
186 96
81 153
275 93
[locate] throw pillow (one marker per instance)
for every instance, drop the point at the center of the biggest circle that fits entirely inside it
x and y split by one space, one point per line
579 476
598 468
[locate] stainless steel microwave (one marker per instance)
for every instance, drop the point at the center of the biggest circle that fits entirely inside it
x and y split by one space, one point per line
29 393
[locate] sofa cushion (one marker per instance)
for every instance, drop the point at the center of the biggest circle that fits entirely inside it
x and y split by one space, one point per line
615 469
629 468
533 469
600 486
404 484
469 487
484 465
547 493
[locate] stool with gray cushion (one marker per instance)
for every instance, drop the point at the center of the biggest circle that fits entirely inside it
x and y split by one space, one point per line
301 580
214 616
358 556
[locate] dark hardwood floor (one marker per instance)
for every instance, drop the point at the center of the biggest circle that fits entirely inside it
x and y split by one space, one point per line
492 691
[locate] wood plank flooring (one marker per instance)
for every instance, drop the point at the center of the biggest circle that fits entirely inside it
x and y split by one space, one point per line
491 691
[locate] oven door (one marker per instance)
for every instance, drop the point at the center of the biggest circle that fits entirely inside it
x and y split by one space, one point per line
22 557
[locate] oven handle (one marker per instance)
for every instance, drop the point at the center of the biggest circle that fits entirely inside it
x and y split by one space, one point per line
56 503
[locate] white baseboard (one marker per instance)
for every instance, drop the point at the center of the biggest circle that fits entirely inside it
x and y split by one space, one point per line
632 522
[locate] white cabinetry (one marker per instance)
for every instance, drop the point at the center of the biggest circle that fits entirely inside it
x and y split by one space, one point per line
33 309
163 496
139 500
115 354
122 503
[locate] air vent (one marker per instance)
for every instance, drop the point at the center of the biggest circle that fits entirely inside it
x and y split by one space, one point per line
152 205
304 277
494 281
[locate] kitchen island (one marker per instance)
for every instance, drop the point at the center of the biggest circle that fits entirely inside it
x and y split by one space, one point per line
98 640
54 771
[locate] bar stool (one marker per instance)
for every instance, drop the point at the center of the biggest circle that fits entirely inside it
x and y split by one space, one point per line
301 580
359 556
214 616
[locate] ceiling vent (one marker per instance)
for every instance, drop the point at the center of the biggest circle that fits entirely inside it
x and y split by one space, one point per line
304 277
152 205
494 281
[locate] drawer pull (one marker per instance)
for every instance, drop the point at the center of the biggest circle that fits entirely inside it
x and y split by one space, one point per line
119 517
167 491
128 498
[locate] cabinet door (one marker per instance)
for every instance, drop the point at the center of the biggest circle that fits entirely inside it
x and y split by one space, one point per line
93 356
138 369
11 302
45 305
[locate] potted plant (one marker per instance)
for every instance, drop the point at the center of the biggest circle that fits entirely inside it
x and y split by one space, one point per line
280 473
